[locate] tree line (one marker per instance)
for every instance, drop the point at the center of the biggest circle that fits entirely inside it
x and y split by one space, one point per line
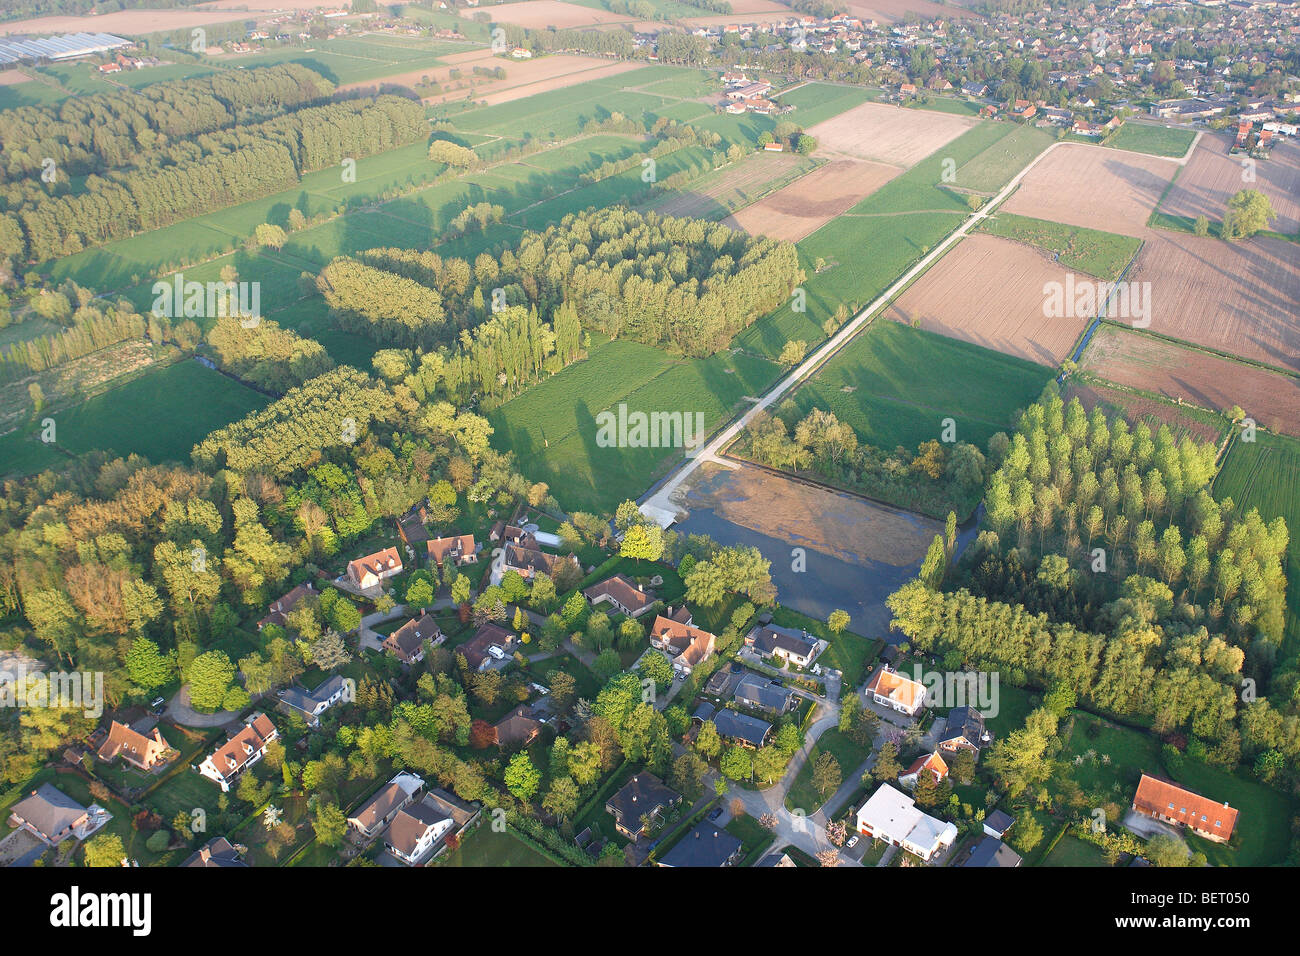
104 131
269 159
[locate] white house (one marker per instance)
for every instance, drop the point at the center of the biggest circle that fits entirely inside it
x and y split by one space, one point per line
311 704
891 689
380 810
415 830
374 569
240 752
892 816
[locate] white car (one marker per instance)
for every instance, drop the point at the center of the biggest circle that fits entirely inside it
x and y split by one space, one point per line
853 841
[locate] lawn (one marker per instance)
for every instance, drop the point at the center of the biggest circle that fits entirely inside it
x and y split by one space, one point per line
1156 140
895 384
1263 833
1072 851
754 837
552 426
486 847
159 415
1101 254
802 794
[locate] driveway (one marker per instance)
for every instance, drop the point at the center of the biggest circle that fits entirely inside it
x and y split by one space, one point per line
180 712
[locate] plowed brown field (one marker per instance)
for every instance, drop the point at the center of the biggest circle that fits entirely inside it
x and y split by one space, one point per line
807 204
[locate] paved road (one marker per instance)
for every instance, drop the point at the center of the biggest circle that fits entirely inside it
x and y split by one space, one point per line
662 497
180 712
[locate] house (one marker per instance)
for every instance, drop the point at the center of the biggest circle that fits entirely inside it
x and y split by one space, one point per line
624 595
53 816
408 642
790 645
410 526
993 852
490 642
705 846
374 569
749 731
312 703
932 764
419 831
278 612
240 752
216 853
461 548
776 861
135 744
889 688
642 798
997 823
1170 803
530 562
774 147
907 89
892 816
685 644
379 811
964 730
1022 109
763 693
516 729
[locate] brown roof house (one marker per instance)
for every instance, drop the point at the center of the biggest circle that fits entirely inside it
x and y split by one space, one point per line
240 752
379 811
625 595
279 609
461 548
517 729
53 816
374 569
408 642
642 799
932 764
419 832
1170 803
891 689
530 562
141 744
491 642
410 526
685 645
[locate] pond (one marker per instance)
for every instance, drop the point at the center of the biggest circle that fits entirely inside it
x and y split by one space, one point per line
828 549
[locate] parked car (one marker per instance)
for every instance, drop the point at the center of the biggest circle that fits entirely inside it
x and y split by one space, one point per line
853 841
715 813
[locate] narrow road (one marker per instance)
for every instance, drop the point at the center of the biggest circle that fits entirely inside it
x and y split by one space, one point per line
661 497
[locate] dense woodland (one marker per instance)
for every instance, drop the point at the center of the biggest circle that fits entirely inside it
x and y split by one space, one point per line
234 167
690 287
1109 573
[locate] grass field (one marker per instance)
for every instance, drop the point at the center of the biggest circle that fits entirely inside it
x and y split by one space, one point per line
816 102
1073 852
1156 140
484 847
552 426
1265 474
802 794
1101 254
895 384
992 168
159 415
922 188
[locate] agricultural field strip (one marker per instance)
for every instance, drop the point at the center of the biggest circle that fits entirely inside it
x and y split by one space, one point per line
710 450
